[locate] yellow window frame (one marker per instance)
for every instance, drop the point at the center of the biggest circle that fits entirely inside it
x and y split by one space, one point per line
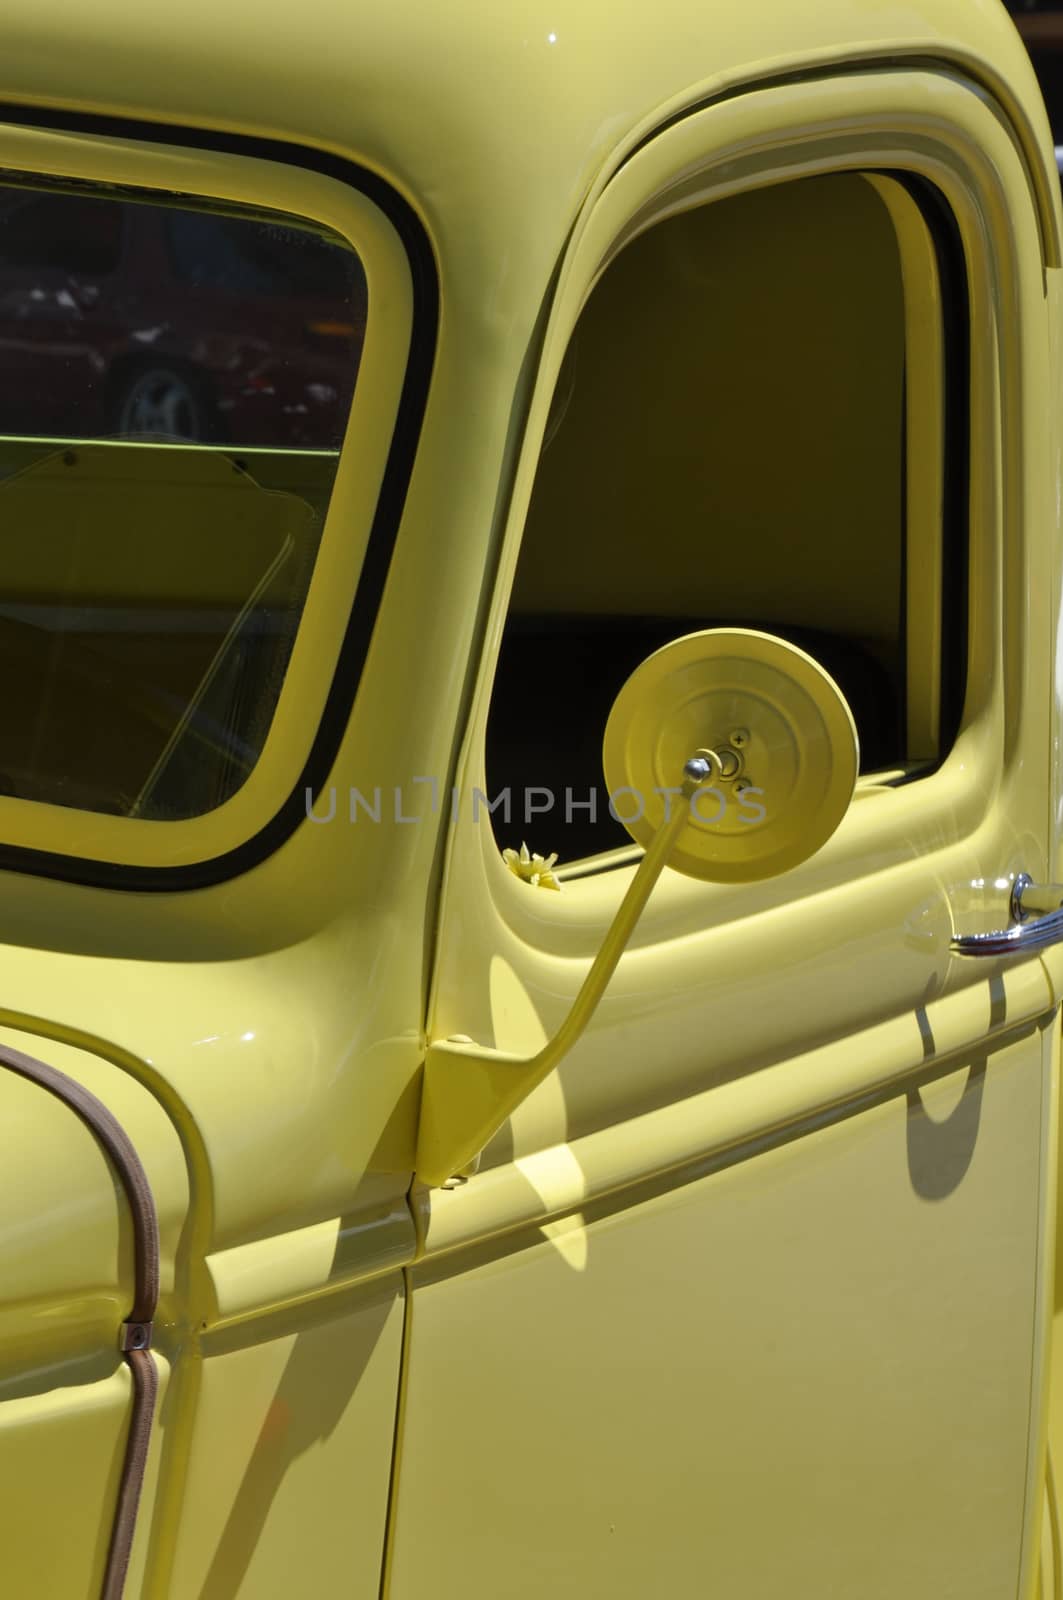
219 176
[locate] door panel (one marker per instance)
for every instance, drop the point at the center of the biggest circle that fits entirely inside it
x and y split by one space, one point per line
806 1372
60 1461
61 1452
291 1454
752 1290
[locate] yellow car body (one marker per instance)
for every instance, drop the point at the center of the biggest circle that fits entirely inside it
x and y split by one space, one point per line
754 1294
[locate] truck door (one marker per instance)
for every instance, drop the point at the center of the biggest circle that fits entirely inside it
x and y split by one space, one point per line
750 1296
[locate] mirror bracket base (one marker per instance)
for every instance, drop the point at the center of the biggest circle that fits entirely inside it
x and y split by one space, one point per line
469 1090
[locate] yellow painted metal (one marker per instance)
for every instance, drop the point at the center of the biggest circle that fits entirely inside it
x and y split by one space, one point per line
275 1023
60 1455
791 1094
469 1091
727 995
66 1247
372 420
941 819
66 1243
706 1357
1048 1438
1040 1555
290 1451
799 744
798 751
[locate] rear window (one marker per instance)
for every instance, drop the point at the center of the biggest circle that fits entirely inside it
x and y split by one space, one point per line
223 253
175 384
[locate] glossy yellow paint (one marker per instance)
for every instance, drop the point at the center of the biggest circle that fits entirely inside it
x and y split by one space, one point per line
470 1091
370 427
803 745
263 1038
288 1457
768 985
902 829
799 750
734 1388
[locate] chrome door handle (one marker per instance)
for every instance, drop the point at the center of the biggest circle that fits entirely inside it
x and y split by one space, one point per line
1037 922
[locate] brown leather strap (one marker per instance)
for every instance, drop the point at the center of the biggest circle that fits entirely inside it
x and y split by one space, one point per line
137 1329
145 1389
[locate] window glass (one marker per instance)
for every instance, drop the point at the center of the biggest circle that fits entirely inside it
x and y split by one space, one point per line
222 253
726 447
175 383
61 233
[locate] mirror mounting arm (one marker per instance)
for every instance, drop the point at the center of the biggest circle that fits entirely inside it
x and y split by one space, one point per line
469 1089
789 717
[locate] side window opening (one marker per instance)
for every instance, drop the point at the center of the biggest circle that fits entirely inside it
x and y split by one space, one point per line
730 444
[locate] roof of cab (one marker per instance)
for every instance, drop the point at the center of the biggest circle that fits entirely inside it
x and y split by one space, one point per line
487 114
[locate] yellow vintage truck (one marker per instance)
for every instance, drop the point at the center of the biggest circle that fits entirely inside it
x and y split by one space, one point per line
530 796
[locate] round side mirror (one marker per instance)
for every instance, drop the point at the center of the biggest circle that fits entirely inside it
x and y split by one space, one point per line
739 756
777 736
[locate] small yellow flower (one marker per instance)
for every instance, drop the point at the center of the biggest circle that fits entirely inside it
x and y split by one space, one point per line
532 868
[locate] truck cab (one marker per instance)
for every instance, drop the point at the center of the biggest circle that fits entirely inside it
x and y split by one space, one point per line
425 433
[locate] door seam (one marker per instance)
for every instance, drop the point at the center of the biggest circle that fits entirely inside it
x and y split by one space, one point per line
397 1441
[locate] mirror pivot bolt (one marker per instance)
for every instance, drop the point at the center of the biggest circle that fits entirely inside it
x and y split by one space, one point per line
724 765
